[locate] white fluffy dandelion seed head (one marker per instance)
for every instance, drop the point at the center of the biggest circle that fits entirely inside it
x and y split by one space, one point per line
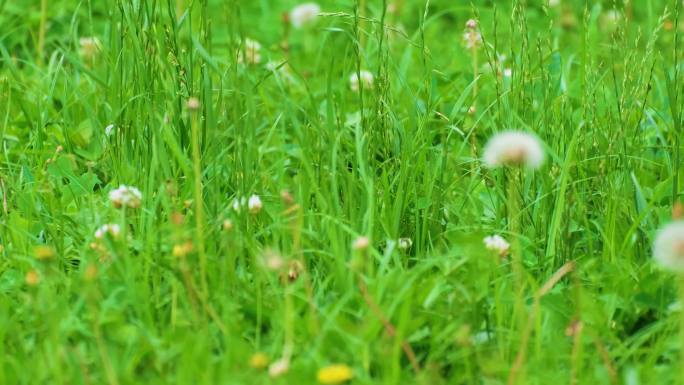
303 14
668 247
497 244
513 148
254 204
125 196
366 81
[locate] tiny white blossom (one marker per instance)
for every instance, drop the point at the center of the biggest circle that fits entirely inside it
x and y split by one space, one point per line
513 148
498 244
279 367
472 38
405 243
238 203
304 14
251 52
109 130
668 247
112 229
361 243
125 196
90 47
254 204
366 80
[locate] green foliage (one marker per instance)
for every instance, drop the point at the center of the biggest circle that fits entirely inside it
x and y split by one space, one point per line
178 298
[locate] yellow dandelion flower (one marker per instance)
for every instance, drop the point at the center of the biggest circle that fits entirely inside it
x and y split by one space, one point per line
335 374
258 361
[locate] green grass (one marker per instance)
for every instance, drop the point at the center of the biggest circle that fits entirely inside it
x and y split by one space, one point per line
400 160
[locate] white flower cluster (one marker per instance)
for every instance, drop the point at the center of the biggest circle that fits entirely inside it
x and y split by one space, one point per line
497 244
125 196
366 80
304 14
251 52
112 229
254 204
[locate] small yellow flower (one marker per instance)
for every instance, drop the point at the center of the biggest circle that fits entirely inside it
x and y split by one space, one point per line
44 252
335 374
258 361
32 278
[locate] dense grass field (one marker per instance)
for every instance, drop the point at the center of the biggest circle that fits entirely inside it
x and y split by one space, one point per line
233 192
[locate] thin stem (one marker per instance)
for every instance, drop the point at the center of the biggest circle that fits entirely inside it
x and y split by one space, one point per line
199 204
41 31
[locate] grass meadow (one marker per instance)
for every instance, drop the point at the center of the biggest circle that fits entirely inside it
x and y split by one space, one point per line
264 192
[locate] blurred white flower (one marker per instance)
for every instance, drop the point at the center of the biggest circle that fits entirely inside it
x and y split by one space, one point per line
498 244
254 204
366 80
112 229
472 38
303 14
90 47
251 52
279 367
405 243
513 148
238 203
125 196
361 243
668 247
109 130
471 24
610 20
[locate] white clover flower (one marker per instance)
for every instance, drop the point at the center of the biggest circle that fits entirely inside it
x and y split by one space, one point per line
498 244
90 47
366 80
254 204
112 229
251 52
513 148
125 196
668 247
304 14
